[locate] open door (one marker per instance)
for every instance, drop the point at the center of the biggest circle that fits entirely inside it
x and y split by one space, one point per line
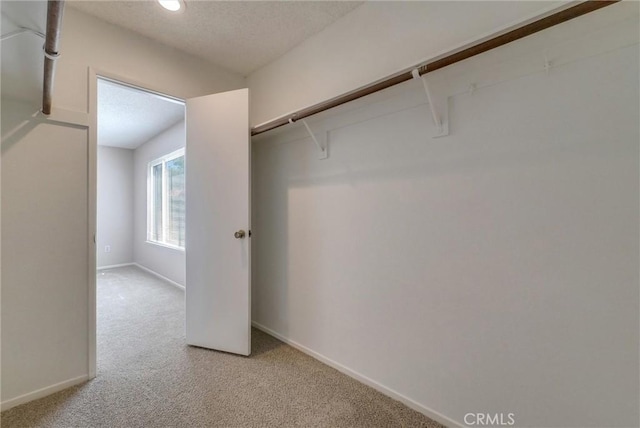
218 276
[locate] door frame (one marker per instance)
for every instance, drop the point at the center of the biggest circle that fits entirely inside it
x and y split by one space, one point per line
93 74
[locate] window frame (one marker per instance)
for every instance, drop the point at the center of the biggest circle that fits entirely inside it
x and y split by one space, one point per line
165 200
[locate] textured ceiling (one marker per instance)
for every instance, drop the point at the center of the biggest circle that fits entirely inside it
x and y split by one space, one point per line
128 117
241 36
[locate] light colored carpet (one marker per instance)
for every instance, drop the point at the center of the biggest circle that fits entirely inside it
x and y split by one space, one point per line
148 377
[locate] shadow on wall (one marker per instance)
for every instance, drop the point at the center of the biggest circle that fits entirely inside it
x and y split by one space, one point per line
20 120
469 255
263 256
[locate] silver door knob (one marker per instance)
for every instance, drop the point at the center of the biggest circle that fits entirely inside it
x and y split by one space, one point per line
240 234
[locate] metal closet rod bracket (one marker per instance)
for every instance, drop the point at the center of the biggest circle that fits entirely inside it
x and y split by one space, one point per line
21 30
50 55
321 143
442 126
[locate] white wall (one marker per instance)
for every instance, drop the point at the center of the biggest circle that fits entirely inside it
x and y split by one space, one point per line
115 206
45 283
166 261
88 41
373 41
492 270
45 262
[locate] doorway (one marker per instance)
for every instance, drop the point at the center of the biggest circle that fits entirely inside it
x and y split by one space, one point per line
215 219
140 196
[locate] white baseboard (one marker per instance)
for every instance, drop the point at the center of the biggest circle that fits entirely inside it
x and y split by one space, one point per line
114 266
438 417
43 392
175 284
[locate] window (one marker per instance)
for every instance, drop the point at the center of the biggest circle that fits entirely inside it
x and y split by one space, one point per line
166 200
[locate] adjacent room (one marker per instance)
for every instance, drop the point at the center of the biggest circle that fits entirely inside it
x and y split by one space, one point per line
141 222
320 213
140 181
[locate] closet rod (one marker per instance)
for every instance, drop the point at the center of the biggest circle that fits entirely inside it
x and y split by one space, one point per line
54 23
503 39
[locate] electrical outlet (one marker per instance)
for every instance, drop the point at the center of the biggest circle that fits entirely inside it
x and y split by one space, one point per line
107 248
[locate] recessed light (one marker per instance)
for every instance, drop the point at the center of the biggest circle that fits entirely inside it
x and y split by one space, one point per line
172 5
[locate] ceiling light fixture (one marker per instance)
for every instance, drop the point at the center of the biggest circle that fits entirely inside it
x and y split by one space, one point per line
172 5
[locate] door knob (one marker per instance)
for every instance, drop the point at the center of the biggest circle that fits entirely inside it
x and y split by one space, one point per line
240 234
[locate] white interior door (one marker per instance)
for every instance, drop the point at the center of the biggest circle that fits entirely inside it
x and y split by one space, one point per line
218 276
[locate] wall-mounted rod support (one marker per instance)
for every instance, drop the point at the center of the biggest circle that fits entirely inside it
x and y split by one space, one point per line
55 9
322 147
19 31
434 112
456 56
313 137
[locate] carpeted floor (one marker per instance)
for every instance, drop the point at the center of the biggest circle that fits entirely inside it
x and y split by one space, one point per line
148 377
